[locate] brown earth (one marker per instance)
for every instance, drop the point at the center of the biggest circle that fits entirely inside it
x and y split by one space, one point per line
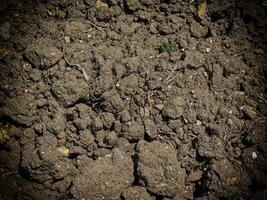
133 99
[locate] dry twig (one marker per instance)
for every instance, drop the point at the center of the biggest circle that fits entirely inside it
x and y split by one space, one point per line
242 53
80 68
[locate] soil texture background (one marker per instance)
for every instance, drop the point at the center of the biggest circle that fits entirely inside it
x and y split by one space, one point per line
133 99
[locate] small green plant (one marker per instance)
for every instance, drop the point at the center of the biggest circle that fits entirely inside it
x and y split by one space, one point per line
170 46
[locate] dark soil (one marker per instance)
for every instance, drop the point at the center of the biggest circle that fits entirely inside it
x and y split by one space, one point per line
133 99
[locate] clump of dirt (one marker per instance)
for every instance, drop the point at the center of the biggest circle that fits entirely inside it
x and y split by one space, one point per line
133 99
159 170
104 178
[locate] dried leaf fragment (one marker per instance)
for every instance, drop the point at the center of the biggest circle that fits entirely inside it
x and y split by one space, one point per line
100 4
64 151
3 135
3 52
202 7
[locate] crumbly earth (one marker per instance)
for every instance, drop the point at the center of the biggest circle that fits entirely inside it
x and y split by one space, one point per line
133 99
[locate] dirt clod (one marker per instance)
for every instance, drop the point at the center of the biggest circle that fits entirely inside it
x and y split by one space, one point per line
43 54
174 108
65 89
112 102
224 178
133 99
136 192
214 150
21 109
104 178
158 169
133 130
150 128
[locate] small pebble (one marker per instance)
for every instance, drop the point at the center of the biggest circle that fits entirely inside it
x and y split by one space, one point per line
67 39
64 151
198 123
230 122
211 41
249 112
254 155
208 49
159 106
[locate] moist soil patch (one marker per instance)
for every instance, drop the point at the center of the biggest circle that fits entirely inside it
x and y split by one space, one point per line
133 99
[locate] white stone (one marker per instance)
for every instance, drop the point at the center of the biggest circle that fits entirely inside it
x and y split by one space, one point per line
254 155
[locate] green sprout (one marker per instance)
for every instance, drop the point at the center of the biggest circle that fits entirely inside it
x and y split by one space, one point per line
170 46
